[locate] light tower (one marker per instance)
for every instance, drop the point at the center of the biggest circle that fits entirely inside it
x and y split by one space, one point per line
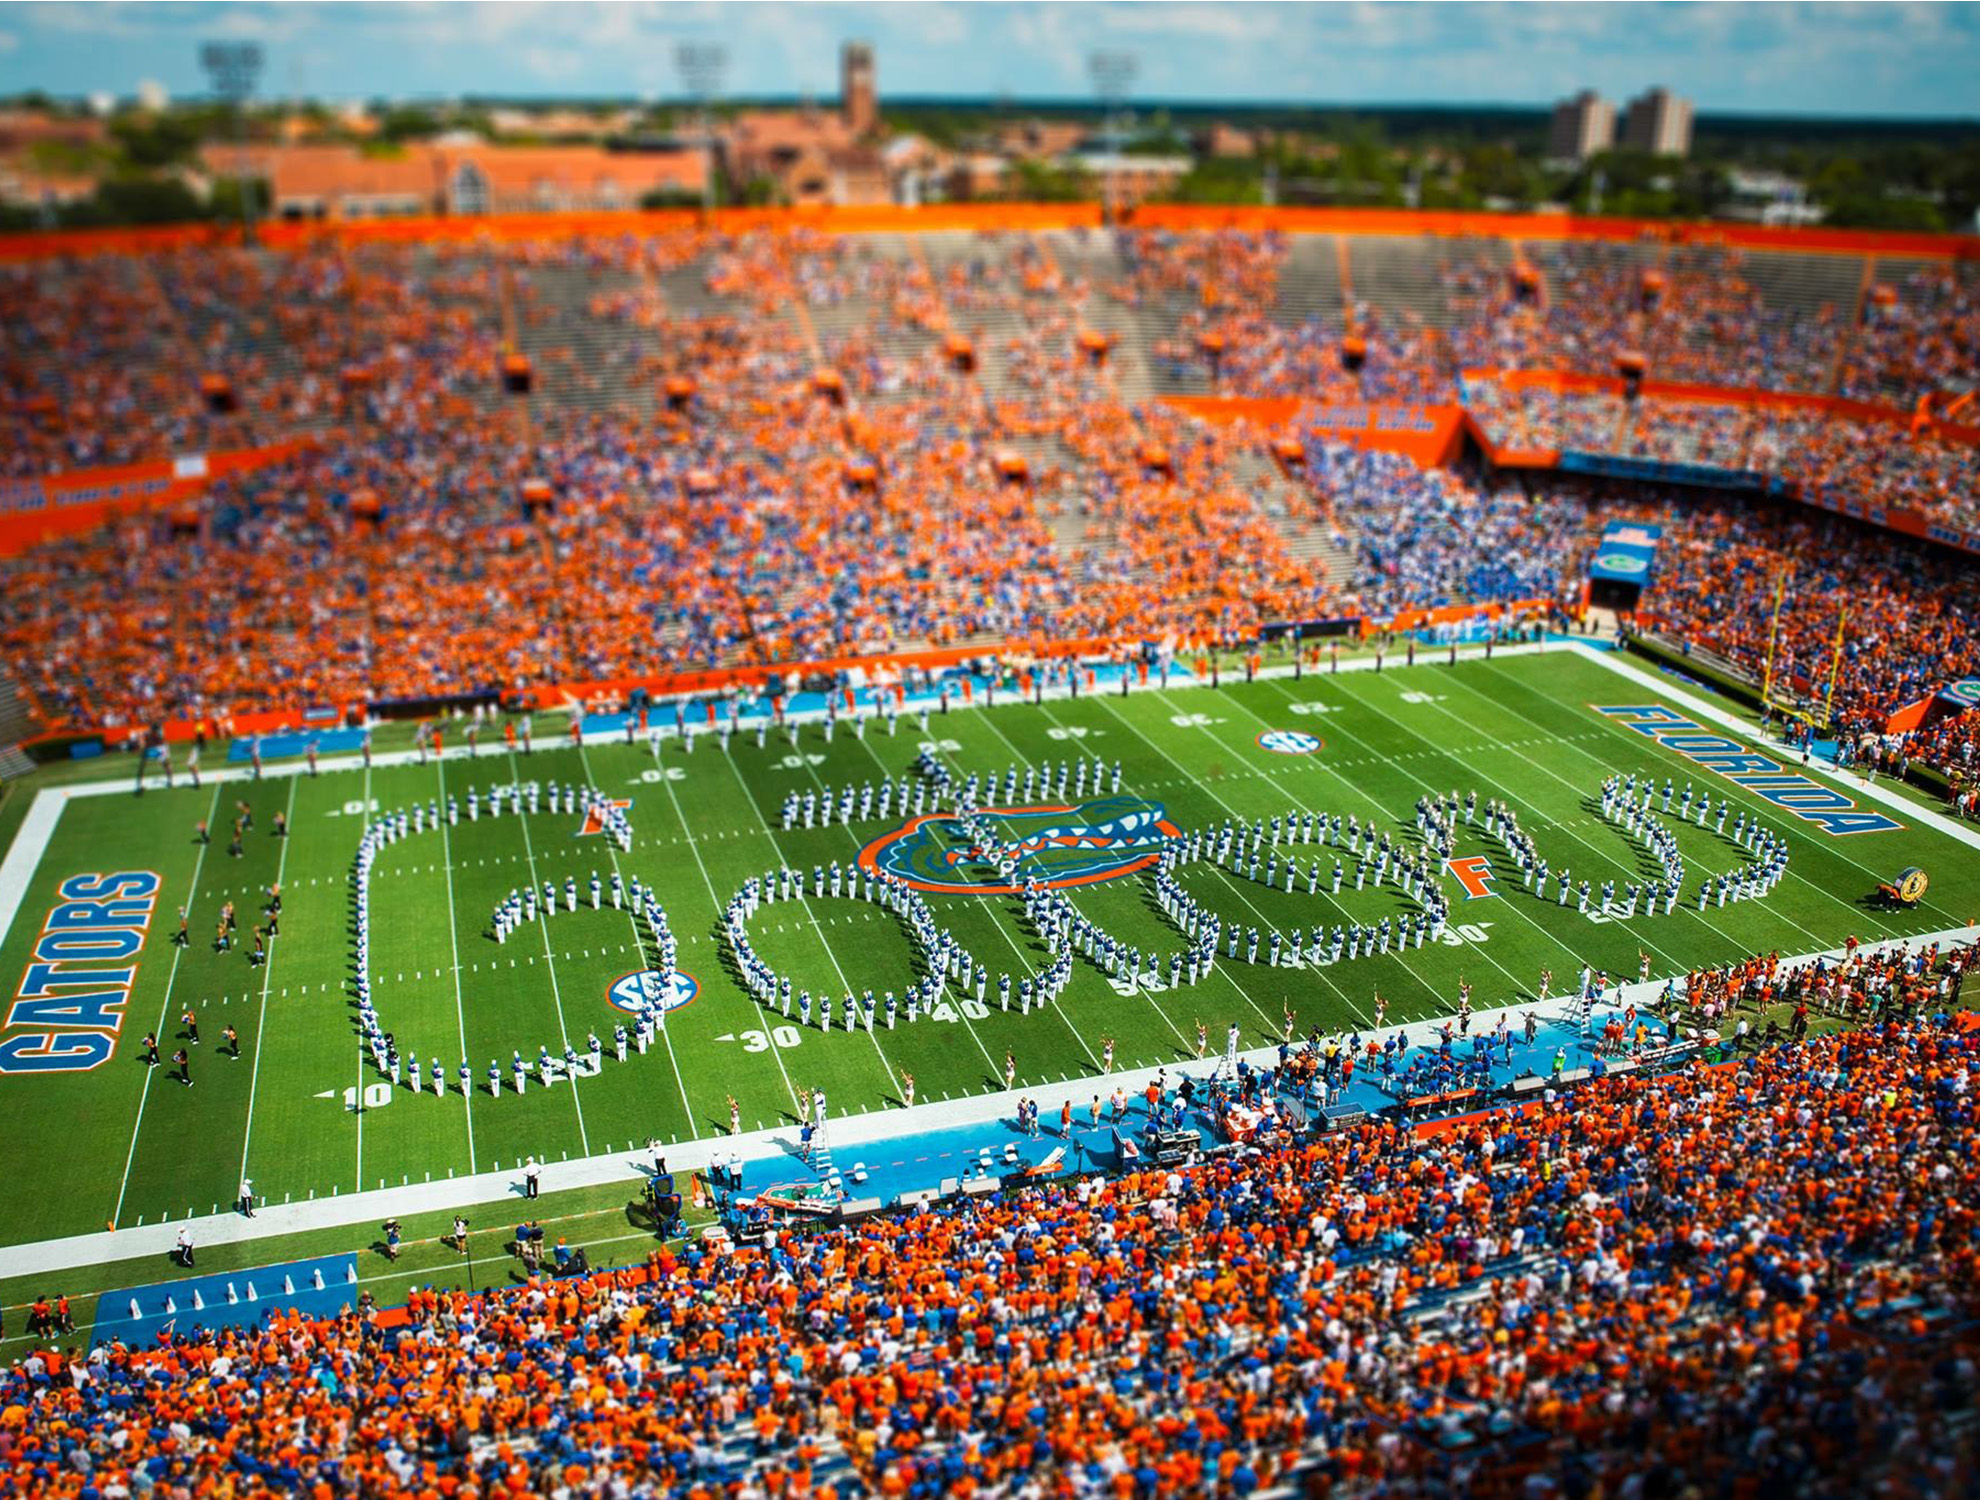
231 69
1113 73
701 66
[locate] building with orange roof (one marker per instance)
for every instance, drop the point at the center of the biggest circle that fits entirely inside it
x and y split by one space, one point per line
810 156
978 176
23 182
28 127
1227 140
813 156
460 175
1037 140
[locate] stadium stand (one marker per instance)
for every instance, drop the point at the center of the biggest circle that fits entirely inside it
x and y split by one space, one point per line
756 442
1621 1286
963 353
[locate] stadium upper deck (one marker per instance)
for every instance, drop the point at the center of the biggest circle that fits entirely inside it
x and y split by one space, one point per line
769 439
768 444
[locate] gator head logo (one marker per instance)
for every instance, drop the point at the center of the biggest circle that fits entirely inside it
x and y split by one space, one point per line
1000 848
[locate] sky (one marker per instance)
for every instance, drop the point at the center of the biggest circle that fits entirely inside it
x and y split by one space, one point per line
1896 59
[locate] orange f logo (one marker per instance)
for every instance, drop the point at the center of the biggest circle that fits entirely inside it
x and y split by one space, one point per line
594 819
1474 873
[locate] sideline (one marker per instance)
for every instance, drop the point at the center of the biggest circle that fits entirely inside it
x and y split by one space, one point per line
630 1168
1874 791
31 840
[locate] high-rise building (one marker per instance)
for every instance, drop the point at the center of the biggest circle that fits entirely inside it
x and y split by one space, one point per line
1658 122
1582 127
859 96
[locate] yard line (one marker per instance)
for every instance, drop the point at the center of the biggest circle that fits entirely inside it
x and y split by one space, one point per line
804 901
357 1097
267 975
1519 989
549 958
1272 1029
996 921
164 1015
1397 763
1632 737
1027 762
639 945
1228 972
31 842
454 944
1548 770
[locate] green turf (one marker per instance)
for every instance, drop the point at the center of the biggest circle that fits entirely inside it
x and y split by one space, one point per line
115 1145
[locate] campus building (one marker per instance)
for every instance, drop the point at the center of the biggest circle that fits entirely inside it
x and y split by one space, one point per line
1582 127
461 175
1658 122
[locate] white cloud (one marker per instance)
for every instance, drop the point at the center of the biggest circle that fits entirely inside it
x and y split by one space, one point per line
1912 57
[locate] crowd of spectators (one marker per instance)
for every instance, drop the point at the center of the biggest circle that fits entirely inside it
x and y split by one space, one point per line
1756 1277
1916 336
1429 537
767 519
1835 460
1690 313
759 516
1887 620
1950 744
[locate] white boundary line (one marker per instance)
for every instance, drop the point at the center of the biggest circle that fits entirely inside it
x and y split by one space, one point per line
267 982
164 1017
454 948
1733 724
31 840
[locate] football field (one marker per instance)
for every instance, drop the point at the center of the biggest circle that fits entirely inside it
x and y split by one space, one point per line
97 1137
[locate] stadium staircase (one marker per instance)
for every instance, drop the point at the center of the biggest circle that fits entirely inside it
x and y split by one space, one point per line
16 724
870 317
1145 322
1310 284
1290 508
226 335
270 345
685 292
1818 290
1805 282
984 265
1966 274
1893 271
1401 277
583 362
1296 515
463 283
1094 260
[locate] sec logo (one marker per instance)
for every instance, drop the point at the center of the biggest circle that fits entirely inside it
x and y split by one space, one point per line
1289 742
630 992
